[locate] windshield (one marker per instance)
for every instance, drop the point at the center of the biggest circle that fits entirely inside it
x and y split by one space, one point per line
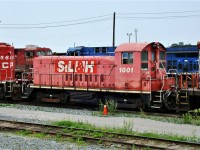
41 53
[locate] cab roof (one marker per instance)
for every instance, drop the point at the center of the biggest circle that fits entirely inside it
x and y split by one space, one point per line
136 46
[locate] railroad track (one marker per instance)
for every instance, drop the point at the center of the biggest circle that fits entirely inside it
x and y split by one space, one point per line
125 140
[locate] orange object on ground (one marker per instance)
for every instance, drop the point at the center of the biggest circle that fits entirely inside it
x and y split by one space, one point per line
105 110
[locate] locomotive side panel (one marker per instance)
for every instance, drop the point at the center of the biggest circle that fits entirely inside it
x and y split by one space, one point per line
127 71
7 63
74 72
42 71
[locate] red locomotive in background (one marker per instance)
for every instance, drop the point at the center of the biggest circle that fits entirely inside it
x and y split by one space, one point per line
135 77
24 57
14 63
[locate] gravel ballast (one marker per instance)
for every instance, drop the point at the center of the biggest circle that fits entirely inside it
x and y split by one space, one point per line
47 115
14 142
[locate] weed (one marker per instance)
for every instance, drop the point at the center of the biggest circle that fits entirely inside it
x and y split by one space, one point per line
23 132
142 113
100 142
6 105
81 132
40 135
74 124
98 134
111 105
101 105
127 127
187 118
196 112
80 141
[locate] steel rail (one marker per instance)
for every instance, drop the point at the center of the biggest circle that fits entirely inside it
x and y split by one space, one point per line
54 130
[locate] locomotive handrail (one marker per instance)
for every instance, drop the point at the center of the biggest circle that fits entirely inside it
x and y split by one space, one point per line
159 69
162 76
150 84
176 71
24 78
163 67
111 70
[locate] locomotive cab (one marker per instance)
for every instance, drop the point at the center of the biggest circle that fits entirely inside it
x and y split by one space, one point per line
140 68
6 69
140 62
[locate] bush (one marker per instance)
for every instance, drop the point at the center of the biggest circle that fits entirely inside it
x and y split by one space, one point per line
111 105
187 118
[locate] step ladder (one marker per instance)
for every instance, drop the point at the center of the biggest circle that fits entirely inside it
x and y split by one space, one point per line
183 102
156 102
24 96
8 88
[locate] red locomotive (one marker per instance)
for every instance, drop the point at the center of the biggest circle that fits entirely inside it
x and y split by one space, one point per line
7 65
14 63
24 57
135 77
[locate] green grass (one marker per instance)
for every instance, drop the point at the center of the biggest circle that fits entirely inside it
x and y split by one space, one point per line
6 105
127 128
74 124
23 133
187 118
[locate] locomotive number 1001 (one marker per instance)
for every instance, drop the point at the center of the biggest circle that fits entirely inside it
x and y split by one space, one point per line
125 70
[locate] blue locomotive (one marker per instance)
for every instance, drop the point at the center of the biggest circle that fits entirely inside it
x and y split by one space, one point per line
183 58
91 51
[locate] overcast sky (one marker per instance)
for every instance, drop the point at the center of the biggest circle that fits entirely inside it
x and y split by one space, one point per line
61 24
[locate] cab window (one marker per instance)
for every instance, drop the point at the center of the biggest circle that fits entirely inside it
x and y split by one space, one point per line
162 59
49 53
127 57
144 58
162 55
29 54
153 56
41 53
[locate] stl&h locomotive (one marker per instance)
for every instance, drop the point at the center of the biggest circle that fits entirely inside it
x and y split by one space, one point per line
135 77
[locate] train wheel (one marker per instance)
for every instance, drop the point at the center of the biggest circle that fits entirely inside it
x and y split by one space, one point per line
16 93
39 97
2 93
64 98
170 100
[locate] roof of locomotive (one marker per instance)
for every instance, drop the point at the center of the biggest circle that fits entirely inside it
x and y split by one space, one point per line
5 45
136 46
75 57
